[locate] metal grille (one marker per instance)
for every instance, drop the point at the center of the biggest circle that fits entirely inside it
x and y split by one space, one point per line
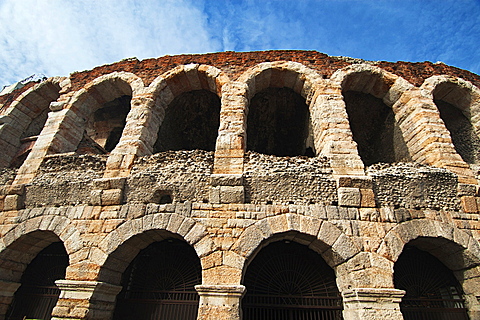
432 292
288 281
159 284
38 295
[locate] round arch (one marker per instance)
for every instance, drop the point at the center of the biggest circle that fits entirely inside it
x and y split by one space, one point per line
194 92
276 94
455 248
21 245
117 88
372 80
464 247
279 74
118 248
25 118
458 103
323 237
373 91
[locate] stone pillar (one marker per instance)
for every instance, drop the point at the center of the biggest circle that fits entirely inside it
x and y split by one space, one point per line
331 132
220 302
7 290
85 300
372 304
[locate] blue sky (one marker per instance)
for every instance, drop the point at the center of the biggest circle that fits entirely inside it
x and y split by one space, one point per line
57 37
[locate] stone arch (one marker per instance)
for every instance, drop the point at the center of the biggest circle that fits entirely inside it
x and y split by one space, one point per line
293 75
322 237
118 248
455 248
191 79
373 80
66 126
458 102
22 244
88 101
280 92
467 248
365 87
25 118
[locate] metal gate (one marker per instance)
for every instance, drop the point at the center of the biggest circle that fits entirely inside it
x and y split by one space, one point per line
38 294
288 281
159 284
432 292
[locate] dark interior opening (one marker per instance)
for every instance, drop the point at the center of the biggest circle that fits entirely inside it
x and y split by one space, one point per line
28 138
191 122
105 127
374 129
161 197
287 280
464 137
160 283
432 291
38 294
278 123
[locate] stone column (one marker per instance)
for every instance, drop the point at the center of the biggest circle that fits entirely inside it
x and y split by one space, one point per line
85 300
372 304
227 182
220 302
7 290
331 132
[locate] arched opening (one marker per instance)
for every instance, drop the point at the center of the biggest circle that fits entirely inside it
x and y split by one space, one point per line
432 291
38 294
28 138
32 111
160 283
453 104
104 128
288 281
279 123
374 129
191 122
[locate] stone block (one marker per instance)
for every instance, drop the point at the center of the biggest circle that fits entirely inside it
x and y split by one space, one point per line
467 189
367 198
214 195
469 204
18 189
226 180
349 197
112 197
355 182
96 197
232 194
13 202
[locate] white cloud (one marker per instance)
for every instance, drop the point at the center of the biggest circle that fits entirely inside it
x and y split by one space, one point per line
58 37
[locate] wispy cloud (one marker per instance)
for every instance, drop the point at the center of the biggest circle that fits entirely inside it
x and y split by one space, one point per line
57 37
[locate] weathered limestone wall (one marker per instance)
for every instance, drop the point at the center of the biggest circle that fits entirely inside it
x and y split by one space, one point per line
284 180
185 175
105 207
413 186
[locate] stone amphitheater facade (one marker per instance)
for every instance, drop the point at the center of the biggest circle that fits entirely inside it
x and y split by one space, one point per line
231 152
